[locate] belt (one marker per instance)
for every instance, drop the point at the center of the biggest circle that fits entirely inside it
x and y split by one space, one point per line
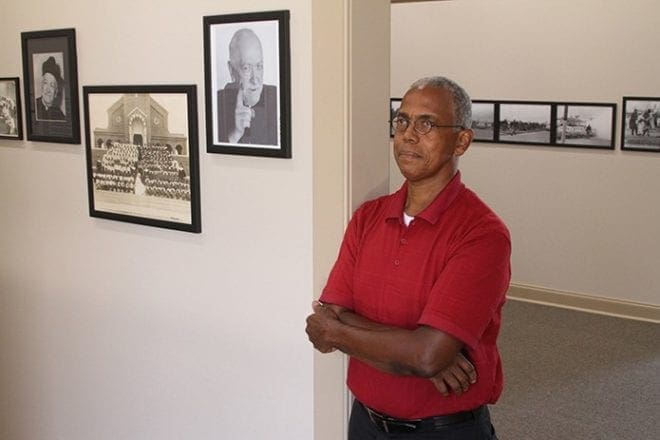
390 424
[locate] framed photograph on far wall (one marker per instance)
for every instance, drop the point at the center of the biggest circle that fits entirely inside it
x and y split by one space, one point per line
142 155
585 125
11 124
395 103
640 125
525 122
484 122
50 74
247 84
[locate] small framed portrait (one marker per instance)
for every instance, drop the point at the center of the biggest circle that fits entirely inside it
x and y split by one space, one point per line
247 84
11 124
525 122
50 74
142 155
640 125
484 120
585 125
395 103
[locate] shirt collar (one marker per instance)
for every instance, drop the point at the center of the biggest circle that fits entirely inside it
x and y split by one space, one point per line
432 212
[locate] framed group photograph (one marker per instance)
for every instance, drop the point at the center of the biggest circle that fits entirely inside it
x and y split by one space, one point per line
11 124
247 84
50 74
640 125
395 104
585 125
142 155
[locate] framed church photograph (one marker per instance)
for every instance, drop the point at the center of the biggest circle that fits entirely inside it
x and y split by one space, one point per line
247 84
142 155
50 75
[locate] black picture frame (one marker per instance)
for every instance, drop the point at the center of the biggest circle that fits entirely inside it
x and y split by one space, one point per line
584 125
11 122
50 70
263 83
642 133
143 154
395 104
545 123
484 120
524 122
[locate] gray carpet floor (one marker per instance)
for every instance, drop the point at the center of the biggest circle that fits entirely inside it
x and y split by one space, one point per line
576 375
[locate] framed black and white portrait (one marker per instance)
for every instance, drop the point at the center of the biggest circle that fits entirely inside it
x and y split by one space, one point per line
247 84
50 74
585 125
484 122
640 125
525 122
142 155
11 124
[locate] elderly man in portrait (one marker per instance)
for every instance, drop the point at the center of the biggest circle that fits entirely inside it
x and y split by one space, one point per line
247 108
48 104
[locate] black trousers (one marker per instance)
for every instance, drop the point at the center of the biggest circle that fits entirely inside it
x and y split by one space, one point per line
360 427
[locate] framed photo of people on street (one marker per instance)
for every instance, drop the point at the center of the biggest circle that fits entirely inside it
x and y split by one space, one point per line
585 125
142 155
640 125
395 104
247 84
525 122
50 74
11 124
484 120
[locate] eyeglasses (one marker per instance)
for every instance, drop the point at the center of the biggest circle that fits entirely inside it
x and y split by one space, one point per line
421 126
248 69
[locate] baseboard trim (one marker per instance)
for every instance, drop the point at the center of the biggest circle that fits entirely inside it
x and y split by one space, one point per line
585 303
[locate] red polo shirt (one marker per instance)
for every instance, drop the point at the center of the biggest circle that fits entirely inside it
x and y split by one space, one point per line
449 270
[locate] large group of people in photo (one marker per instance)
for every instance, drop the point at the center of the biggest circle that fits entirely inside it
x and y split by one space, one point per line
149 170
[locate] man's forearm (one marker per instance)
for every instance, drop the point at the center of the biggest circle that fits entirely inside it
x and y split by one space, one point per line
421 352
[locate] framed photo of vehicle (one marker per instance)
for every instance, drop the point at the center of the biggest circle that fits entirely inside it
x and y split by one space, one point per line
525 122
11 124
395 103
585 125
484 120
142 155
640 124
247 84
50 73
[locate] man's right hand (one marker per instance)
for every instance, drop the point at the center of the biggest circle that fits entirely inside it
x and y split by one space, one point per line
456 378
242 118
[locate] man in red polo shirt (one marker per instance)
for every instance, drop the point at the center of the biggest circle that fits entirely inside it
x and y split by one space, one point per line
420 278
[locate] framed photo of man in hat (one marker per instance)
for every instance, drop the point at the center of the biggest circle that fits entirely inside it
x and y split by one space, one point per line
51 86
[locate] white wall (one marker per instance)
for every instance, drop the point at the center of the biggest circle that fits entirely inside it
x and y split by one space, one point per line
111 330
582 221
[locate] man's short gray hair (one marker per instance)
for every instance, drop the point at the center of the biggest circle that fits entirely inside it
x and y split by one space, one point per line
462 101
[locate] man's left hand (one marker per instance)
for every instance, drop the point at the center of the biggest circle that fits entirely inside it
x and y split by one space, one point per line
456 378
